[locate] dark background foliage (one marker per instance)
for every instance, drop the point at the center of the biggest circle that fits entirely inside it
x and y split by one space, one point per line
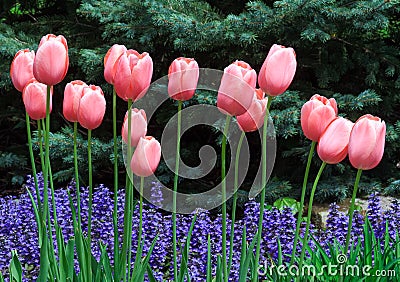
345 49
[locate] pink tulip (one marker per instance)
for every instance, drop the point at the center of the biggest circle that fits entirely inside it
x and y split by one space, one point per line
333 144
34 98
278 70
253 118
21 71
51 61
183 75
316 115
133 75
236 91
138 126
92 107
367 142
146 157
111 61
72 96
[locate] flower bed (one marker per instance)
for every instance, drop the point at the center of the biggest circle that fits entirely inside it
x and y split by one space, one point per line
18 230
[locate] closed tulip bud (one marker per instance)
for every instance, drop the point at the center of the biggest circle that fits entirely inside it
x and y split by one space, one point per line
253 118
92 107
183 75
133 75
367 142
316 115
138 126
333 144
146 157
34 98
72 96
111 61
278 70
21 70
236 91
51 61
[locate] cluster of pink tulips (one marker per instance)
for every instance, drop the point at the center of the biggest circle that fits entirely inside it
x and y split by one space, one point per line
337 137
130 73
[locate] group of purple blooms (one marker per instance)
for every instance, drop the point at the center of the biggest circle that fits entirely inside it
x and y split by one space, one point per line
18 230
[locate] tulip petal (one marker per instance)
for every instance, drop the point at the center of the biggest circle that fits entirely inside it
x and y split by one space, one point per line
51 61
333 145
318 121
363 140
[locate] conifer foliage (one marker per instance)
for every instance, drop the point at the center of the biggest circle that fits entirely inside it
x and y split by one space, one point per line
345 49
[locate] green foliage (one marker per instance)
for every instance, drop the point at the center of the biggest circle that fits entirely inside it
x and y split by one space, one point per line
62 146
13 166
277 189
393 189
345 49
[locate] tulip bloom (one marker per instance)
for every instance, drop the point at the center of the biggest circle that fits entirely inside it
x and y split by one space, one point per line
92 107
51 61
253 118
111 61
21 71
138 126
316 115
34 98
278 70
133 75
146 157
333 144
236 92
183 75
367 142
72 96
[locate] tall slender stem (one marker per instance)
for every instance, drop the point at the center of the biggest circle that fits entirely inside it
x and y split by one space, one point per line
303 195
28 131
235 188
351 210
46 210
46 165
223 153
43 163
140 211
115 210
127 238
263 184
89 146
310 204
176 178
78 193
42 123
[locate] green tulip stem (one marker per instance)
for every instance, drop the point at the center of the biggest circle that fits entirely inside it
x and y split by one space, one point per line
303 195
89 147
235 188
351 210
47 153
263 184
115 210
46 221
176 178
223 153
310 204
128 205
43 162
28 131
78 192
140 212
